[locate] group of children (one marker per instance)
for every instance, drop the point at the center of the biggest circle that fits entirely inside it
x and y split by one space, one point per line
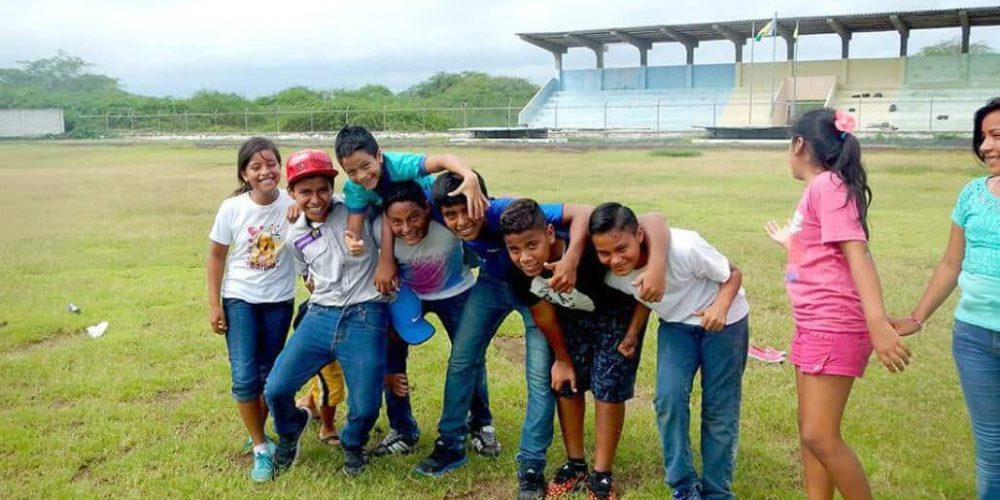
401 242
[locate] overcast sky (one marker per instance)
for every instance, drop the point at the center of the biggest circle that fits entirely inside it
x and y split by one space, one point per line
255 47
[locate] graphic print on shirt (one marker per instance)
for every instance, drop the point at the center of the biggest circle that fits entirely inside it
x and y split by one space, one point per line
265 242
794 250
426 275
572 300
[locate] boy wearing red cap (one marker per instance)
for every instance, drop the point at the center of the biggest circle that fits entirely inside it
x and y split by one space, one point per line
346 321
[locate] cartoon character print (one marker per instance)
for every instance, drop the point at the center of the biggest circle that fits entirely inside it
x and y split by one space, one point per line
265 242
794 249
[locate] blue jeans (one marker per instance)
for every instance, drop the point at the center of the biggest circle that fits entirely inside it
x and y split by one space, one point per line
681 350
356 337
489 302
398 409
977 356
255 336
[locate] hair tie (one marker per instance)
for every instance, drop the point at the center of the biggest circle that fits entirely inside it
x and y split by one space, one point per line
844 123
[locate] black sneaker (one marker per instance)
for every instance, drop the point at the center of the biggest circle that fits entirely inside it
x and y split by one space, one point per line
355 461
395 443
287 451
531 485
600 487
484 441
442 460
572 476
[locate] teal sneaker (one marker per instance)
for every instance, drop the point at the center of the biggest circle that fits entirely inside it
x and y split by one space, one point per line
248 444
263 466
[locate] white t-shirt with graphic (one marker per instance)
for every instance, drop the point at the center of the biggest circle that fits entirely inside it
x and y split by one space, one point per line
434 268
258 267
695 271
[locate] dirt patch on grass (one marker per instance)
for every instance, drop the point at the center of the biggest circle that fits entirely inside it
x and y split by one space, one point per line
494 489
84 472
53 339
512 348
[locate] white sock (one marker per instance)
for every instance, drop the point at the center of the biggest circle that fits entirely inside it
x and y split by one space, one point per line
261 448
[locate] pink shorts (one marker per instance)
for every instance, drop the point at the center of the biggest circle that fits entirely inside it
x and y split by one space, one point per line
824 353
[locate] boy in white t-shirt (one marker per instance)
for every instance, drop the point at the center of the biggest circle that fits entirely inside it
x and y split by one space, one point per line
703 325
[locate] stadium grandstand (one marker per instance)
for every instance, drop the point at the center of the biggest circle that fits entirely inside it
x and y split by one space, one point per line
904 93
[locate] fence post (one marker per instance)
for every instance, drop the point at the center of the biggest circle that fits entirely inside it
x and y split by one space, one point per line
246 120
657 116
186 121
384 128
107 122
423 120
131 120
555 116
930 116
347 115
509 102
859 111
312 114
605 115
465 115
157 121
215 119
715 105
277 120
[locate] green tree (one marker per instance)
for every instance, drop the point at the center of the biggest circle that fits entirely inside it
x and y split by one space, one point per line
954 46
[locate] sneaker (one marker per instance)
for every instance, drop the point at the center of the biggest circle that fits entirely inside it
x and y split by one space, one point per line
263 467
484 441
569 478
530 485
687 494
355 462
441 461
766 354
287 451
395 443
600 487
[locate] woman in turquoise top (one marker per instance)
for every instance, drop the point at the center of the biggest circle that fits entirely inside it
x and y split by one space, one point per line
972 262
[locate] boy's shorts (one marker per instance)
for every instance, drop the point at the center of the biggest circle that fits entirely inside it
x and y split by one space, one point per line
592 342
825 353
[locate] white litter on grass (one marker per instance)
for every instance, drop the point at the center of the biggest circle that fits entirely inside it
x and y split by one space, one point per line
97 330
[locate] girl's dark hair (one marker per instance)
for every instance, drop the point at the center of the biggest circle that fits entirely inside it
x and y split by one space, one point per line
249 148
612 216
977 125
839 153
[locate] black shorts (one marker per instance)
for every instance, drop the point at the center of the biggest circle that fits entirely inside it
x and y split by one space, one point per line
592 341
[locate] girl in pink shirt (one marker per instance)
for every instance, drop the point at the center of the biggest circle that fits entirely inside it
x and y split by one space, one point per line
835 295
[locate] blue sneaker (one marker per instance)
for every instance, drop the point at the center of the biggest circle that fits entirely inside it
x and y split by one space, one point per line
248 444
263 467
442 460
287 451
687 494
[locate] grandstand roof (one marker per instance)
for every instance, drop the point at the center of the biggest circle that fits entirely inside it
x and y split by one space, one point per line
739 31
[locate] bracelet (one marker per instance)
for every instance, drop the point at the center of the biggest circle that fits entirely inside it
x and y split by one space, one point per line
915 320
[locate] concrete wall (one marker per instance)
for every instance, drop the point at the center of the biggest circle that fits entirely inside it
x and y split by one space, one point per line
31 122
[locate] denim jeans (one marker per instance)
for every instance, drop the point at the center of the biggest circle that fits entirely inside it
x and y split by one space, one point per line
397 408
255 336
681 351
356 337
977 356
489 302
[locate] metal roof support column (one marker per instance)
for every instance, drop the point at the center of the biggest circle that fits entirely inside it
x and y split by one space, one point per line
963 19
904 33
845 36
738 41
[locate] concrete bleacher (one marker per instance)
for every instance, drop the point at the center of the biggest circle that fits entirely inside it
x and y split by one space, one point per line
658 109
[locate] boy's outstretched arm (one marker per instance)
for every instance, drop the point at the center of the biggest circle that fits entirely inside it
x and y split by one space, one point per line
544 314
652 282
564 271
477 201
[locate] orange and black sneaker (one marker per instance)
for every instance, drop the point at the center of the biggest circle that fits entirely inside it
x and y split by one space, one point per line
569 478
600 487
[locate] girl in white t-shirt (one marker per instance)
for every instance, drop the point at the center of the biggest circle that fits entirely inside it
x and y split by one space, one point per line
251 285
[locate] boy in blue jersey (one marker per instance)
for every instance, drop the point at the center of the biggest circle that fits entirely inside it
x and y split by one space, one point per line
370 171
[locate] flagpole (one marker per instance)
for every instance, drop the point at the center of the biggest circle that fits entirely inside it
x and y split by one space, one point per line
795 70
753 41
774 57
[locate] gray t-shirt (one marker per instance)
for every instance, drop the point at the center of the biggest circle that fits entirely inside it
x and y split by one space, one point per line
318 249
434 268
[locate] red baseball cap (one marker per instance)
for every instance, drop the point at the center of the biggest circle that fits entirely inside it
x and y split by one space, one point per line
307 163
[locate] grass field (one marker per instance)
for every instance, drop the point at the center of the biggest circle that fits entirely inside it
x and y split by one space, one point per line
145 410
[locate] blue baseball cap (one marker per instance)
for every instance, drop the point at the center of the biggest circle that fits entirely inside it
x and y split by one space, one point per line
408 317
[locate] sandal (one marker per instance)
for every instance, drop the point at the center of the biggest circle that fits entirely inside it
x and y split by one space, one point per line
331 439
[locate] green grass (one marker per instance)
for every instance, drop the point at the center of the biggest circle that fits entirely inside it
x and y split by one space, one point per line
675 153
146 411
